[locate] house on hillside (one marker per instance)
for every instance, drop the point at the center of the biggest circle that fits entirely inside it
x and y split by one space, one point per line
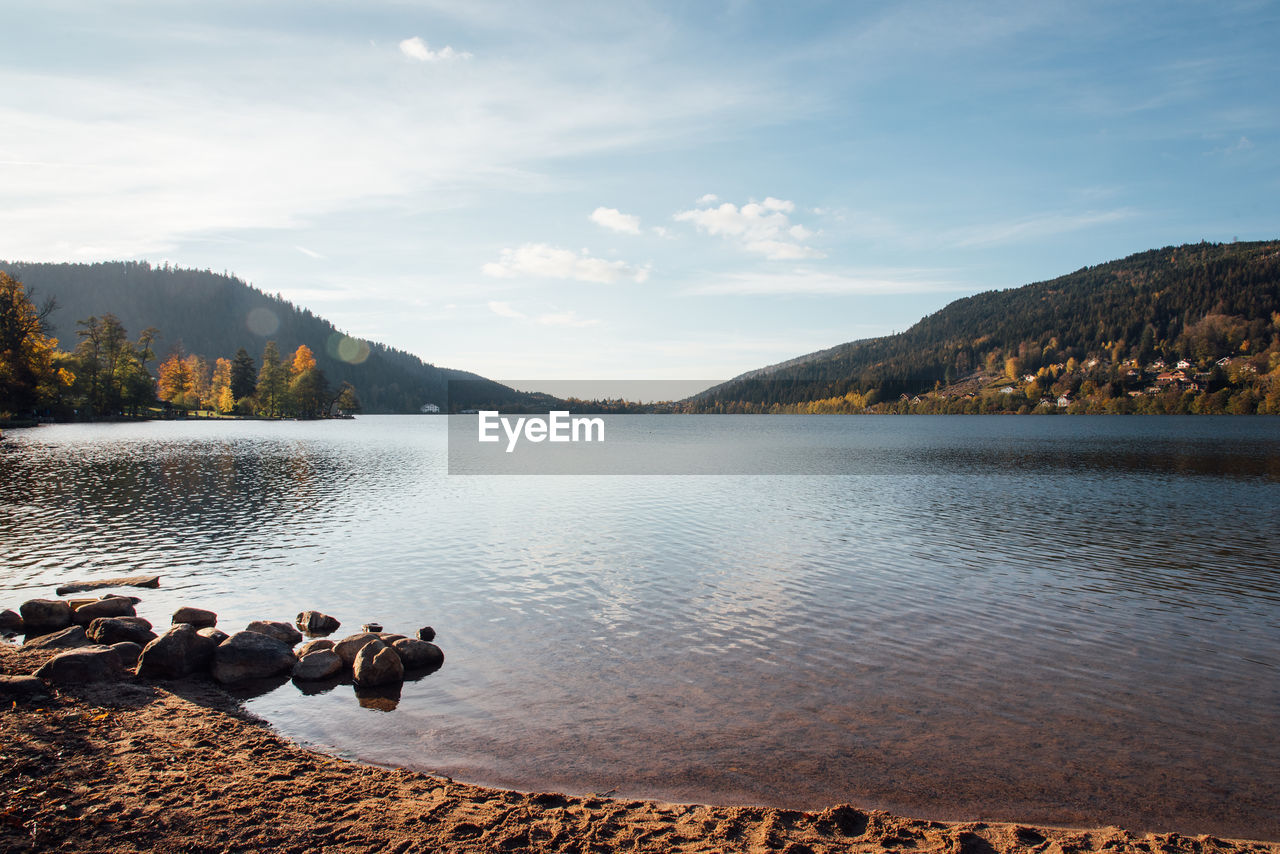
1183 364
1064 401
429 409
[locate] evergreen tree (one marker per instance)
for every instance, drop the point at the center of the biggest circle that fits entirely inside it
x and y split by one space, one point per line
243 375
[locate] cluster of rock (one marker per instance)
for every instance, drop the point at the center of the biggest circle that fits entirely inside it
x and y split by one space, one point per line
105 638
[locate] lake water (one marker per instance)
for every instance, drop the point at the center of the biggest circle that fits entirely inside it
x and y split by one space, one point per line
1070 620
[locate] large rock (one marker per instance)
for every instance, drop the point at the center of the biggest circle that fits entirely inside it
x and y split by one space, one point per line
252 655
178 652
91 664
72 637
277 629
349 647
316 623
320 664
314 646
112 630
44 615
131 581
198 617
214 634
112 606
128 652
377 664
10 621
21 688
418 655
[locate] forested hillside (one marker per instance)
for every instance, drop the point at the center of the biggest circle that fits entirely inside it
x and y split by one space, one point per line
214 315
1116 326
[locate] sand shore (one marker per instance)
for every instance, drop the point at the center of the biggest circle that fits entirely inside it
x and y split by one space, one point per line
180 766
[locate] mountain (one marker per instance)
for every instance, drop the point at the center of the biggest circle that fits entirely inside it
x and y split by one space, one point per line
1199 302
214 315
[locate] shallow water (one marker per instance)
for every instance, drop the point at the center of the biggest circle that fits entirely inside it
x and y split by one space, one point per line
1067 620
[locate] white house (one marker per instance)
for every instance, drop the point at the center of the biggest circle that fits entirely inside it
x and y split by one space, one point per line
429 409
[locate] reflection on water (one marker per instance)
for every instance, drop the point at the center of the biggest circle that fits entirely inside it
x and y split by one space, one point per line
1070 620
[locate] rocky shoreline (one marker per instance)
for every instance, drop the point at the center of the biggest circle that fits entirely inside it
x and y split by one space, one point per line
155 755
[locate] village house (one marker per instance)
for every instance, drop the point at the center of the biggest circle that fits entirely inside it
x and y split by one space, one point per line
1064 401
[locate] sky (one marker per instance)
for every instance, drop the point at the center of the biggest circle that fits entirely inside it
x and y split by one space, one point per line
633 190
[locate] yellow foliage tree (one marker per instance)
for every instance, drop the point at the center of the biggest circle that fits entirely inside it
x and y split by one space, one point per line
303 360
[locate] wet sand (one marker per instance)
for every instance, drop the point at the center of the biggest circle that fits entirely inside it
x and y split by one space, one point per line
180 766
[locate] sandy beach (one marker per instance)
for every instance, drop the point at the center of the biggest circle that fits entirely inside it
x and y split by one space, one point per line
180 766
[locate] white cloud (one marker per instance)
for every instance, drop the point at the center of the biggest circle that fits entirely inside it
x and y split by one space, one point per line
565 318
1030 228
760 227
309 252
821 283
708 199
415 48
542 261
615 220
504 309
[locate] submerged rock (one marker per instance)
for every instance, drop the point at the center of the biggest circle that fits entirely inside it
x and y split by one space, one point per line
252 655
71 637
113 606
349 647
371 627
130 581
91 664
198 617
277 629
314 646
44 615
316 623
178 652
377 664
418 654
112 630
320 664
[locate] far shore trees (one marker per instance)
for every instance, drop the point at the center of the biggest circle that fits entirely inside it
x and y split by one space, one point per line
28 372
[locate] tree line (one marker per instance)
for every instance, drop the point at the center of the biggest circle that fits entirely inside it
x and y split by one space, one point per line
109 375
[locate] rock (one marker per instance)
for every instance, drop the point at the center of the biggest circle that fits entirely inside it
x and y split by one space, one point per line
113 606
388 638
314 646
178 652
10 621
349 647
131 581
113 630
91 664
277 629
418 654
371 627
215 635
44 615
320 664
21 688
71 637
315 623
377 664
128 652
252 655
426 633
198 617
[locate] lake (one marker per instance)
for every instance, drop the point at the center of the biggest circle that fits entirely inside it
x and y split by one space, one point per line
1068 620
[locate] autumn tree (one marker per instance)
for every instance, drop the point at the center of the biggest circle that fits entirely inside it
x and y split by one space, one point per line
220 393
26 350
201 388
175 385
347 400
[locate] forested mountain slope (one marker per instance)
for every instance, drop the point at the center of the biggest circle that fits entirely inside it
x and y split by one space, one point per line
1199 302
213 315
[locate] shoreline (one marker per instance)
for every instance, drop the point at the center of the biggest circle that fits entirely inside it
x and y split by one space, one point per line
181 765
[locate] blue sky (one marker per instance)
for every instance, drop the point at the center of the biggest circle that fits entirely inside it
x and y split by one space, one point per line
633 190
